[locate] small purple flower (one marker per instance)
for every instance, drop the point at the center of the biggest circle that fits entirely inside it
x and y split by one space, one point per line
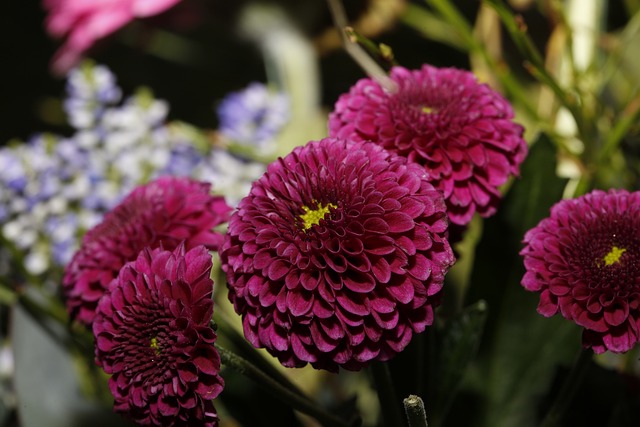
62 230
153 336
337 256
117 147
12 172
254 115
584 261
90 90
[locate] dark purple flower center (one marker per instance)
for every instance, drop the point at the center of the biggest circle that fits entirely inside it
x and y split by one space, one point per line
606 259
417 106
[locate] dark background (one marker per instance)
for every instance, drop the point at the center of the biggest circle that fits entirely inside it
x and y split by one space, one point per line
30 94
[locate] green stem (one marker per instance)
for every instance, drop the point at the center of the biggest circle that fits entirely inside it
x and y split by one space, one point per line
381 52
297 401
464 38
416 414
433 27
534 62
357 53
625 121
568 390
247 351
422 363
389 401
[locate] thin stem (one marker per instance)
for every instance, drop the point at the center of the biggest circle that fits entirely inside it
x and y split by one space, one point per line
248 351
534 62
297 401
626 120
381 52
568 390
389 401
421 363
416 414
359 55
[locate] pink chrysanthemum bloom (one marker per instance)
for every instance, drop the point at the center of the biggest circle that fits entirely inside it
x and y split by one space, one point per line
84 22
441 118
166 211
584 261
337 256
153 336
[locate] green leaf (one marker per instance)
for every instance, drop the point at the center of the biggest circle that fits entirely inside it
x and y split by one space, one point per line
459 344
536 191
520 349
46 381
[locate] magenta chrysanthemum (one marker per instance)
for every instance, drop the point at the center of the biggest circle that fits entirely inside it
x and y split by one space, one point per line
441 118
166 211
584 260
337 256
153 335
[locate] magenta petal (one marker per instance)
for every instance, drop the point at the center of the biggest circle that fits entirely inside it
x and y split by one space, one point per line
352 305
618 341
616 314
381 270
361 283
548 305
399 222
324 343
299 302
277 270
382 305
402 292
300 350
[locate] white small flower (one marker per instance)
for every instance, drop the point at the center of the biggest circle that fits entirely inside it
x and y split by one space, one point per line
36 262
12 230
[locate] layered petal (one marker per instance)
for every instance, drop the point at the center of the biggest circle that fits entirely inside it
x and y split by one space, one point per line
459 130
344 237
153 336
584 262
164 213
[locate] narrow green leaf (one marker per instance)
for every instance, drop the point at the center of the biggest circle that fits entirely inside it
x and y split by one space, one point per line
460 340
520 350
47 383
537 189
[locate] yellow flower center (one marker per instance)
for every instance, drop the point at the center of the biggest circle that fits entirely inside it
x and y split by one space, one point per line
155 346
311 217
427 110
614 255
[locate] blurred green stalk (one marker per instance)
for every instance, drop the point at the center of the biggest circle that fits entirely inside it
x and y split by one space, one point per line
297 401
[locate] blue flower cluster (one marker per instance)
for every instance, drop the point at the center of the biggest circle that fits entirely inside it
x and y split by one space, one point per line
254 116
53 188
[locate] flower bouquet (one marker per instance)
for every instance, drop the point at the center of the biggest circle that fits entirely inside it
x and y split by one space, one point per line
358 232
